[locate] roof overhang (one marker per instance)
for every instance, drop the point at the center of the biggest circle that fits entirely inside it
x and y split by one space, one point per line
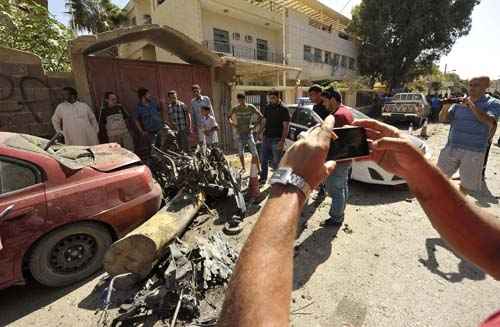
164 37
254 69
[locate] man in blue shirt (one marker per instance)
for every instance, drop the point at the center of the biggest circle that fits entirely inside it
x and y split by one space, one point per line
471 125
148 118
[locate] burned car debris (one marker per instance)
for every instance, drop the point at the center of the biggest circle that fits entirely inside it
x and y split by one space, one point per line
205 170
177 284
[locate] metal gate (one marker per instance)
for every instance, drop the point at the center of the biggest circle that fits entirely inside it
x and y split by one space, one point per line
124 77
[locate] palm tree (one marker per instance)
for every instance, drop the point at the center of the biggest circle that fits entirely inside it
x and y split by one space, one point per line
94 16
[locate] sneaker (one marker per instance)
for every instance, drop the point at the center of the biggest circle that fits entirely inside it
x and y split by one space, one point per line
319 195
331 222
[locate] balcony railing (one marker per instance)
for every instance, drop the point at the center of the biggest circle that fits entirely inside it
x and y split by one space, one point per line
244 52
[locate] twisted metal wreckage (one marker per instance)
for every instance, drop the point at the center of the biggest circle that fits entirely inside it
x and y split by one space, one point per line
175 277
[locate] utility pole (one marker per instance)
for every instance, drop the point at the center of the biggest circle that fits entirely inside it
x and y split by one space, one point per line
283 22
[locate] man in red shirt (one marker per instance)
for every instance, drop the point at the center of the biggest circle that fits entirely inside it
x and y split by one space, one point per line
337 183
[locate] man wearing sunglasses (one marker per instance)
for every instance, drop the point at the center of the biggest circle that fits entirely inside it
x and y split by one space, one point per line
471 124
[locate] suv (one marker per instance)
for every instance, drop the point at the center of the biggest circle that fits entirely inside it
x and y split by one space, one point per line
411 107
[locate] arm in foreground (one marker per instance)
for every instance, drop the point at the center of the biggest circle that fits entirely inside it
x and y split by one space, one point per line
260 290
472 232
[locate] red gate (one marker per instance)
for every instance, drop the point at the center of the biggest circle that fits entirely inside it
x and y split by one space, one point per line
124 77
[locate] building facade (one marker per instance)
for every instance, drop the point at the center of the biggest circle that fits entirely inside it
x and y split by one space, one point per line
281 44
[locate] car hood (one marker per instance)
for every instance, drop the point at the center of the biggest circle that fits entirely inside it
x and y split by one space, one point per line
103 157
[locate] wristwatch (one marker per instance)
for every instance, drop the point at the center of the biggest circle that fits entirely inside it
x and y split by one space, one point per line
286 176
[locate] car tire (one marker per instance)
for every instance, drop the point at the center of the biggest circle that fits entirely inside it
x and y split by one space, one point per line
69 254
417 122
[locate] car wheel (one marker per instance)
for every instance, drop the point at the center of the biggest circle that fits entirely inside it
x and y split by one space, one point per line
417 122
69 254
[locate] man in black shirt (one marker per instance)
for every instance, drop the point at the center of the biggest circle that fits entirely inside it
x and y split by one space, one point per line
276 120
315 96
113 122
320 109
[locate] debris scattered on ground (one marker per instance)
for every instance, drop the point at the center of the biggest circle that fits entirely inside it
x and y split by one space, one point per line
347 229
178 284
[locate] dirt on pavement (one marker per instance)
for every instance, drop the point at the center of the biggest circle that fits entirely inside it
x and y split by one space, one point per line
386 266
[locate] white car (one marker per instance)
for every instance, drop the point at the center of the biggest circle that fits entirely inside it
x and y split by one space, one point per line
303 117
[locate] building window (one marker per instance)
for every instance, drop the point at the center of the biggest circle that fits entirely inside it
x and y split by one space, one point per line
308 56
134 21
344 61
160 2
147 19
318 55
352 63
336 59
262 49
248 39
344 36
221 41
236 36
328 57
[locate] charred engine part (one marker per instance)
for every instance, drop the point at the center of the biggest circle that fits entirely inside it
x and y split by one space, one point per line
205 170
180 281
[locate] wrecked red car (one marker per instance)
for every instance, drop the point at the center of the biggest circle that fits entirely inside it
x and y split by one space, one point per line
62 206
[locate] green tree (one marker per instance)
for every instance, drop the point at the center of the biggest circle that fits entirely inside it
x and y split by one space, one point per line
401 39
95 16
27 25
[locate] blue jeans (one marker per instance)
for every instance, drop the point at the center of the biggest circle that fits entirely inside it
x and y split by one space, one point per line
337 186
270 152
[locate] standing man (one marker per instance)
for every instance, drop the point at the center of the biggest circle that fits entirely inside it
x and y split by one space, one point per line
75 120
114 121
240 117
276 121
471 124
319 107
148 119
197 103
179 119
337 184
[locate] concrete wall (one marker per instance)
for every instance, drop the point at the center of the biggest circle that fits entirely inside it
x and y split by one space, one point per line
28 96
213 20
300 33
182 15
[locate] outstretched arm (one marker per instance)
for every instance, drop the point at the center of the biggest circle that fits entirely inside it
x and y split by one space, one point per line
260 290
472 232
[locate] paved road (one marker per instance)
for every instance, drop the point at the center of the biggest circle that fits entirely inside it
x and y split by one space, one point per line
388 267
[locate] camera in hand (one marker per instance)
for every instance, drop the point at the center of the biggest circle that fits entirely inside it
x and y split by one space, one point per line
453 100
351 143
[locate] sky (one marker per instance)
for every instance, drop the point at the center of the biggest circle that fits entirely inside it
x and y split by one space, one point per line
476 54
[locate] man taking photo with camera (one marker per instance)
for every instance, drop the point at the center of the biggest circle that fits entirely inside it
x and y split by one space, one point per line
472 121
260 289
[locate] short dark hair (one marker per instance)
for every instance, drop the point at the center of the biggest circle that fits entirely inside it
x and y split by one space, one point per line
240 96
172 92
206 108
275 93
195 86
107 94
331 93
141 92
70 90
315 88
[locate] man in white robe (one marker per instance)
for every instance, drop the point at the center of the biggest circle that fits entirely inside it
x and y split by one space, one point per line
75 120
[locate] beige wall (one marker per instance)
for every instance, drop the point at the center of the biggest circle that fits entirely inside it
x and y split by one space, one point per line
300 33
213 20
182 15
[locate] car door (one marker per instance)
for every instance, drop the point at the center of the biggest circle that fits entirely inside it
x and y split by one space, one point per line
302 119
22 189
